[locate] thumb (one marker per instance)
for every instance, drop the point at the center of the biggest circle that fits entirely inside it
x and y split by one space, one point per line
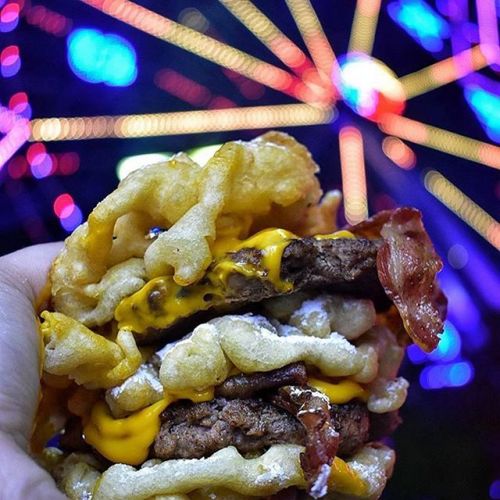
21 478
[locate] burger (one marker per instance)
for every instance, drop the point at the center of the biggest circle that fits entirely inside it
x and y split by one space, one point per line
211 333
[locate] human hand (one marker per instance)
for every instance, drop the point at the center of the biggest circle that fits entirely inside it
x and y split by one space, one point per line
22 276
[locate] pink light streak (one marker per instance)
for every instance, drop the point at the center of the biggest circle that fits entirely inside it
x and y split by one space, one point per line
488 30
15 138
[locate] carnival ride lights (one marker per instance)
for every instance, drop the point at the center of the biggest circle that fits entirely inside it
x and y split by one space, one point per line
421 22
98 57
317 81
369 87
486 106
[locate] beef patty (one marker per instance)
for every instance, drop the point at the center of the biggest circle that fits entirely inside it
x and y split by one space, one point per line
195 430
342 265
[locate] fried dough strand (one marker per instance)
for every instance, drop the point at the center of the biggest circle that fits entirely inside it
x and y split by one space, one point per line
270 178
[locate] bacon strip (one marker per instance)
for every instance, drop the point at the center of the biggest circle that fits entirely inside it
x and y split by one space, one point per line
312 409
407 265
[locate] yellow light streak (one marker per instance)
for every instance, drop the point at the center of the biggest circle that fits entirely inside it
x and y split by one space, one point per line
353 174
443 72
202 45
267 32
442 140
314 37
183 122
459 203
364 26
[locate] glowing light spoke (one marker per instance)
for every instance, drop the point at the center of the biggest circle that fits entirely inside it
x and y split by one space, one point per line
488 29
443 72
442 140
463 206
364 26
314 37
202 45
268 33
397 151
353 174
184 122
13 140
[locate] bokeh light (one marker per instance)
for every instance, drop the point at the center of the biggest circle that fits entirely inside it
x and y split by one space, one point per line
41 164
458 256
96 57
448 349
72 219
10 61
9 17
63 205
369 87
447 375
421 22
486 106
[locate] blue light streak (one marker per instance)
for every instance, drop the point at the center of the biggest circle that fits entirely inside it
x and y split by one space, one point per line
421 22
486 106
96 57
447 350
447 375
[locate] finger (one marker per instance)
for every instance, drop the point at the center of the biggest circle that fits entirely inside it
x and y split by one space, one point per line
30 265
21 477
22 275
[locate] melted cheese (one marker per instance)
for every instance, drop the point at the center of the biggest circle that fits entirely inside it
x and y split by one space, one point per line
162 301
345 480
127 440
341 392
335 236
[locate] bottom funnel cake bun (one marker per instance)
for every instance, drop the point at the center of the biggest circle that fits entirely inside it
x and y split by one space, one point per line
211 334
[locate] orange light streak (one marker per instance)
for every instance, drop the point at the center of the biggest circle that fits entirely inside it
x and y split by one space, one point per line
268 33
353 174
364 26
459 203
314 37
443 72
183 122
397 151
442 140
202 45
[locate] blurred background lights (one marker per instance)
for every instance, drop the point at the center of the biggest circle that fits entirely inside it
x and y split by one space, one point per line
397 151
369 87
447 375
486 106
192 17
495 490
69 214
96 57
448 348
63 205
421 22
72 219
130 163
40 162
458 256
19 104
10 62
9 16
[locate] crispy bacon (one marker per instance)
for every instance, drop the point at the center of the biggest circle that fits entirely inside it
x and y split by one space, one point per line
407 265
312 409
